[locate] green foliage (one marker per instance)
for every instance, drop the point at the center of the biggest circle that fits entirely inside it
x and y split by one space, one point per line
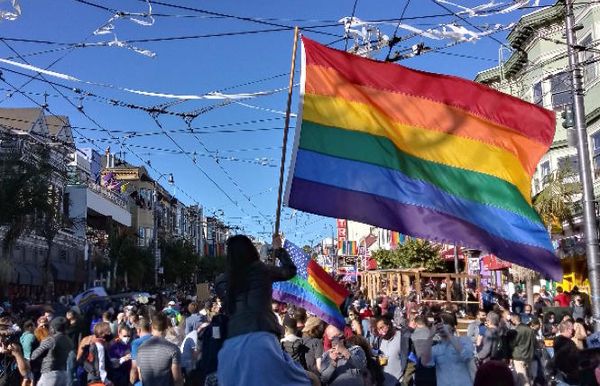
210 267
31 198
180 261
130 260
555 203
28 201
414 253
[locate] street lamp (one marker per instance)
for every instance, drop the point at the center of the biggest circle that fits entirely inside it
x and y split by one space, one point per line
170 181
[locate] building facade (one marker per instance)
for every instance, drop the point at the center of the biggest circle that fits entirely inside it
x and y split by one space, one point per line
538 72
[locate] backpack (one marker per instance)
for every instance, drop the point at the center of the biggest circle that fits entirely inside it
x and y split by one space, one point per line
296 350
211 341
501 347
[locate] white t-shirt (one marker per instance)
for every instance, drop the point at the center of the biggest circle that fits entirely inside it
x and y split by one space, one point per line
101 361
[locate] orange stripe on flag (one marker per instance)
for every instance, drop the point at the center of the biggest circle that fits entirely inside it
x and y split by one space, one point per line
425 113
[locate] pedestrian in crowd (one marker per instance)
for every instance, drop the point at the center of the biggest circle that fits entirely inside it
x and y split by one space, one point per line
206 311
489 342
527 314
393 346
190 354
545 295
14 368
193 321
41 332
523 344
144 333
291 343
95 357
53 351
578 308
563 298
373 374
119 352
107 317
312 338
580 334
564 337
452 356
343 364
585 300
538 304
301 317
28 340
252 349
550 326
158 360
476 329
355 322
517 303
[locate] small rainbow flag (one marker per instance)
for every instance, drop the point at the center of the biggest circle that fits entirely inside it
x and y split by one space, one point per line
312 288
427 155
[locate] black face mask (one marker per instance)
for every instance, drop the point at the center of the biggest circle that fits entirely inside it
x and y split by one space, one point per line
107 337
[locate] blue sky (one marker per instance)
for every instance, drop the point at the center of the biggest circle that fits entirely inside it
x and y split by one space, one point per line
247 184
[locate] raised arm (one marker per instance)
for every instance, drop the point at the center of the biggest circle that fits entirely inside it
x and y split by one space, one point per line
42 349
286 270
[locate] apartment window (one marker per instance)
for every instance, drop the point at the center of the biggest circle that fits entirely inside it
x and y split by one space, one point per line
569 164
545 171
589 70
560 89
538 97
596 146
145 237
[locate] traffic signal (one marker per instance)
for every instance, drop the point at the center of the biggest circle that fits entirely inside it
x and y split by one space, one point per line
567 118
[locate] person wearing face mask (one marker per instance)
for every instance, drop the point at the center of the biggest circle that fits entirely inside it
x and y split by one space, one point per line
355 323
578 309
393 346
119 352
549 328
452 356
54 352
96 360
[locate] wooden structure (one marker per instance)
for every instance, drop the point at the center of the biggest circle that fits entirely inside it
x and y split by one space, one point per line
399 282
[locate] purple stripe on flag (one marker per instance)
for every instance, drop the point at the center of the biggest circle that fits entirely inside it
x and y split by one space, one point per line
416 221
336 320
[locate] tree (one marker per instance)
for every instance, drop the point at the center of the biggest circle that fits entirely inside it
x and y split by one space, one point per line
180 260
31 199
129 263
210 267
555 202
414 253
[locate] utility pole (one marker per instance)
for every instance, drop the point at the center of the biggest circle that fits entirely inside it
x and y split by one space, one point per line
589 213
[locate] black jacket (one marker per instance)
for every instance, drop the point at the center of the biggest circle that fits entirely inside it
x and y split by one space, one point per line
253 307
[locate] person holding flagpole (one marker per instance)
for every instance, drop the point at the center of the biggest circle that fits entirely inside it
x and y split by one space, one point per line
251 353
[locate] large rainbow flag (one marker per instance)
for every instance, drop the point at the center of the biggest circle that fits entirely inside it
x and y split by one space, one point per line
427 155
312 288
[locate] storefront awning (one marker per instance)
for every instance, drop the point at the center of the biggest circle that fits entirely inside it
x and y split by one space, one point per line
36 274
21 275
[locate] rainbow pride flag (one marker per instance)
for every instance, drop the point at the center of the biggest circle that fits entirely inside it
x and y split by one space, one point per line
312 288
427 155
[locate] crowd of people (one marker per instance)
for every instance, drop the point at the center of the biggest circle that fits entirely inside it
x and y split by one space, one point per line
241 336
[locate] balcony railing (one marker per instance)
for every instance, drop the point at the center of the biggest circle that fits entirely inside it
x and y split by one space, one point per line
108 194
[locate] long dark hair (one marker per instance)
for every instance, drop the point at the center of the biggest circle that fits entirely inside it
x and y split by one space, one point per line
240 254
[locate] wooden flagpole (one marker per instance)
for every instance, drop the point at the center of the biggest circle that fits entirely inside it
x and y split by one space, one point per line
285 132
